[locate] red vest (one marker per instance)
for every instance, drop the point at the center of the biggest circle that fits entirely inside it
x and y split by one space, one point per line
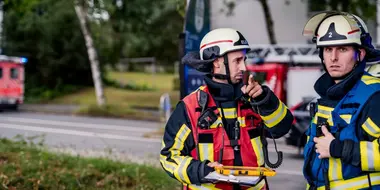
249 142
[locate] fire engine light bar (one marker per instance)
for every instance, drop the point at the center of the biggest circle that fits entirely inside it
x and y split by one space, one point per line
21 60
24 60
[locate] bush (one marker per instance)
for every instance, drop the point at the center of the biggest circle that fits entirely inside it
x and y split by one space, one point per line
40 94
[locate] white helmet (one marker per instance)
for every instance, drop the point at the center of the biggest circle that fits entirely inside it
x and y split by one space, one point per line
335 29
332 28
220 41
374 70
216 43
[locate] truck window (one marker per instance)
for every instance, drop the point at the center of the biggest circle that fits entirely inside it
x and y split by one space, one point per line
1 72
260 77
14 73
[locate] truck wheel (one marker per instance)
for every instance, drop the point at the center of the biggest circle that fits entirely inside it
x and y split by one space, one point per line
14 107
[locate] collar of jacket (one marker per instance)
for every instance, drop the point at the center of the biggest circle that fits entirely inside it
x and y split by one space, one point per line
327 88
223 92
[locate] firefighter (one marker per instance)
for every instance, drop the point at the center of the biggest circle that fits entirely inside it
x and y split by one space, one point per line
342 150
216 124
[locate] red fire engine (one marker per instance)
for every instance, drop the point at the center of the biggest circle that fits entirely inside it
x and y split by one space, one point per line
290 71
11 81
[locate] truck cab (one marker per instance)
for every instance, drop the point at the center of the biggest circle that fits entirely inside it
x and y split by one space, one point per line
11 81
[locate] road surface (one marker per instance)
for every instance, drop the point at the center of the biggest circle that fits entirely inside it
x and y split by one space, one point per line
121 139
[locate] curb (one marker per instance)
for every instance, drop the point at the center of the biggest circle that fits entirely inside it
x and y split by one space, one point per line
71 110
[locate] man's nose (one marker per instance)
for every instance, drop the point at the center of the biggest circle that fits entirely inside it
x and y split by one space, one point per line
334 55
243 67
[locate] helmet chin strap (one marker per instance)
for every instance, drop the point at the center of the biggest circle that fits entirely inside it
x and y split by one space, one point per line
227 75
220 76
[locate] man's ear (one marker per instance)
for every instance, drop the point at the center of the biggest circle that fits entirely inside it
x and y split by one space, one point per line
362 54
218 61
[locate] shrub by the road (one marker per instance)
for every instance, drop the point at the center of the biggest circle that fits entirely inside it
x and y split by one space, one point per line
24 165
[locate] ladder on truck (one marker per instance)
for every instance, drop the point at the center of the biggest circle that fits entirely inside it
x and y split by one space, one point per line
297 54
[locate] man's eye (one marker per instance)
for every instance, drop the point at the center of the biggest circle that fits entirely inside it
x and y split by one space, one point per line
342 49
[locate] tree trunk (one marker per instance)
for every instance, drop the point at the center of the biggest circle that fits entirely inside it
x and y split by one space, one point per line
92 55
268 21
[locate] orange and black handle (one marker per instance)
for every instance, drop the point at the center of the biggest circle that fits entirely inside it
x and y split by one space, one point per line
245 171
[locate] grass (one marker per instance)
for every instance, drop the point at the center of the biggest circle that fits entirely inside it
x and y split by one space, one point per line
29 166
122 102
116 112
118 97
163 83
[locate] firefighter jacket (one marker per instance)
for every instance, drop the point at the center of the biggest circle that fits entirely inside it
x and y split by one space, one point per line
231 134
351 110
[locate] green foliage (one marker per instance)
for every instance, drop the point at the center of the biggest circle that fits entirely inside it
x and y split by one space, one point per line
365 9
41 94
28 166
48 34
146 28
181 7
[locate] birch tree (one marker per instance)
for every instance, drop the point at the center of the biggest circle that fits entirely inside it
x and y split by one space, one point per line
92 55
